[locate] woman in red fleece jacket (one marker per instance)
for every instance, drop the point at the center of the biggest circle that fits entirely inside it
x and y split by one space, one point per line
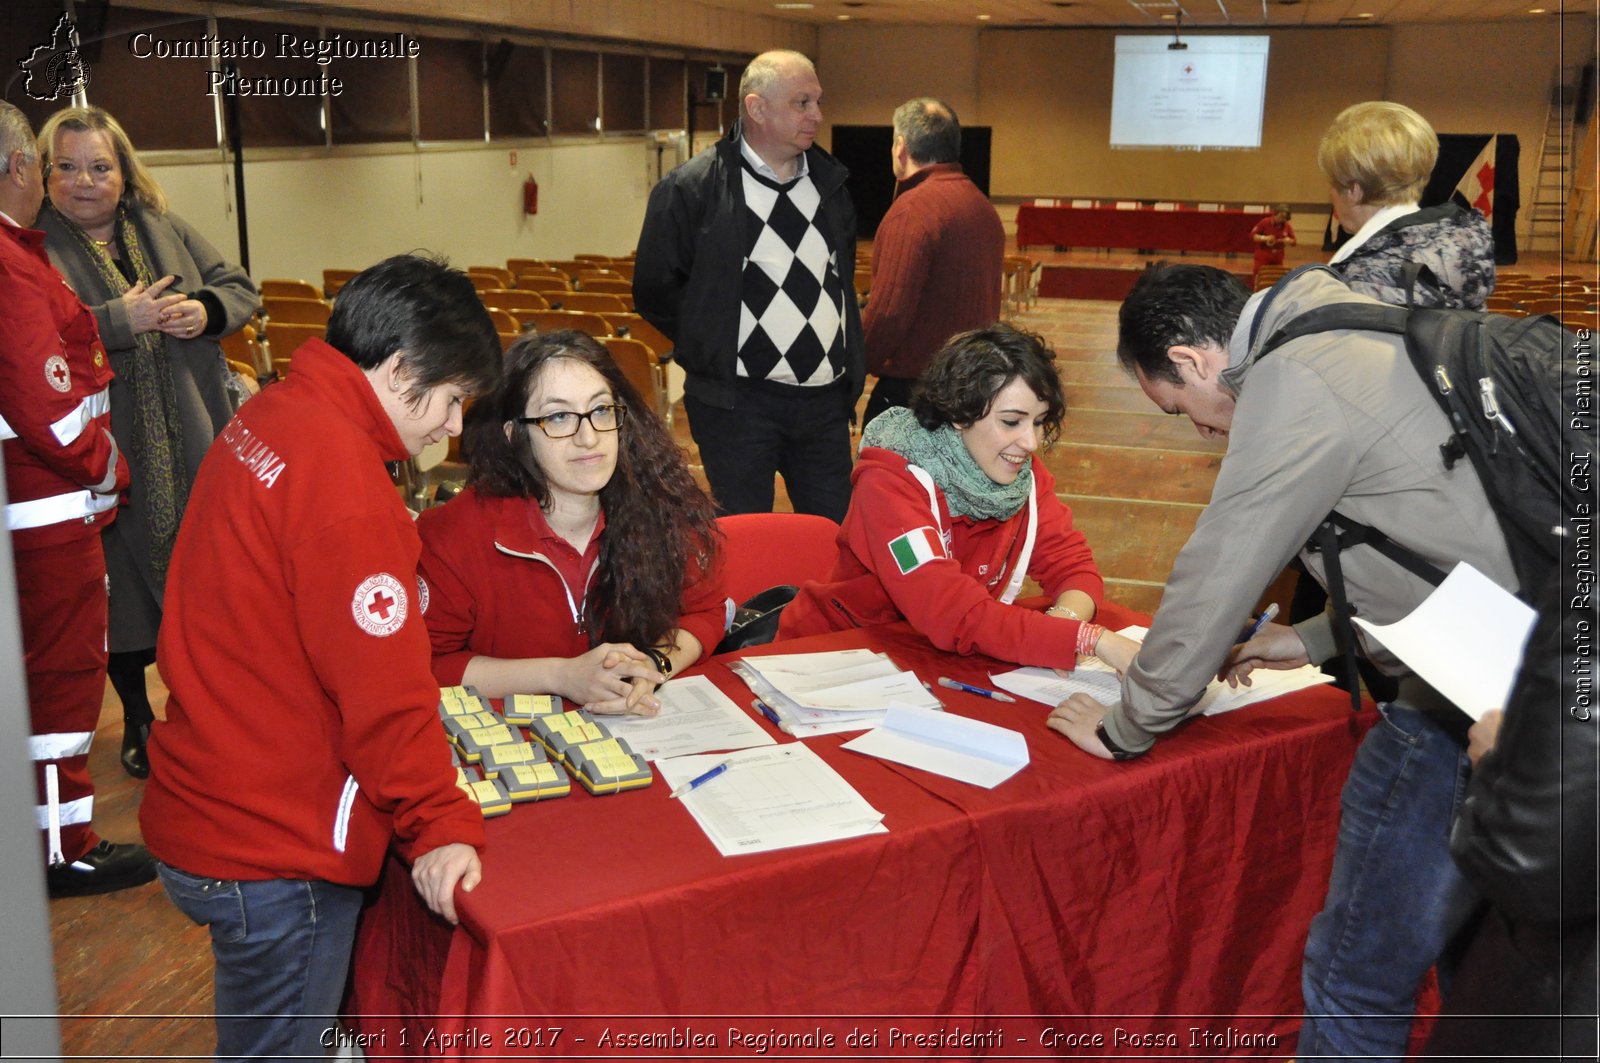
579 561
952 509
280 777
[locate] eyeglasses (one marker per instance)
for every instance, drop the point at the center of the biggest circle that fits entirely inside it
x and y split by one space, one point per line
565 424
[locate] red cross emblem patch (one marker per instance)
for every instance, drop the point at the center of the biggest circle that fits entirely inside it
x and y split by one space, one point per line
380 605
57 373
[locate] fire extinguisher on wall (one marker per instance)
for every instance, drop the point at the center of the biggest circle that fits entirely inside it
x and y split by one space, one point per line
530 196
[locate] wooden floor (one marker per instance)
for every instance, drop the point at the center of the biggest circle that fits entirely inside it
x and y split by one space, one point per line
134 976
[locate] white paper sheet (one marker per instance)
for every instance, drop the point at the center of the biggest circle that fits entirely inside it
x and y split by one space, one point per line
960 748
824 693
1101 682
770 799
695 717
1466 639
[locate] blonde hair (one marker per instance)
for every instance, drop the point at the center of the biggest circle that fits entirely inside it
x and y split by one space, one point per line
1386 148
137 183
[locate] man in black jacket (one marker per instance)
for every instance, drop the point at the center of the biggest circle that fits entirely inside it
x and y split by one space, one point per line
746 261
1526 835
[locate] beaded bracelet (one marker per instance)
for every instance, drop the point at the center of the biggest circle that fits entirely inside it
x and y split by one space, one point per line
1063 610
1088 638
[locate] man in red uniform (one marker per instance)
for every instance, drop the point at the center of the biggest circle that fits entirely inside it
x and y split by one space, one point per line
63 475
936 258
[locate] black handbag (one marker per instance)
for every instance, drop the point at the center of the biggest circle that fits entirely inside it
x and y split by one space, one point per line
755 623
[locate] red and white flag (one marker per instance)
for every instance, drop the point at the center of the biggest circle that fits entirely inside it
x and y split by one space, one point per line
1477 185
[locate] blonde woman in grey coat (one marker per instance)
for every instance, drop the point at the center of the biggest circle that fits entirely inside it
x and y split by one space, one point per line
163 297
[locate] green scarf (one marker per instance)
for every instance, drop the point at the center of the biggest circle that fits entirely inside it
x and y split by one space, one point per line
157 443
968 490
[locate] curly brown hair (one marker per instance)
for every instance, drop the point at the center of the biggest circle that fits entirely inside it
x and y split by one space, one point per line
661 529
974 367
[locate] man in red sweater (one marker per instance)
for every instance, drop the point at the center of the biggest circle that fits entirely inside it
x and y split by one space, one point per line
936 259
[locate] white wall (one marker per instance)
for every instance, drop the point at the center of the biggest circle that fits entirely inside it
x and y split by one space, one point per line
352 210
1047 93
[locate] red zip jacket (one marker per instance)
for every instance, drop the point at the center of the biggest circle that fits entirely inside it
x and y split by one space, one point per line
952 598
63 471
494 588
302 730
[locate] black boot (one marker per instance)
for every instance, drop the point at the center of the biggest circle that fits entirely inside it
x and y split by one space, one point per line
126 670
135 758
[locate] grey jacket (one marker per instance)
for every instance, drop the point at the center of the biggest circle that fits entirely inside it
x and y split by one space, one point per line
171 245
1333 419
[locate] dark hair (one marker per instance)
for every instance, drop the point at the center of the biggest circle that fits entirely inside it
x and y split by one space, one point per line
418 307
973 367
660 526
931 129
1177 306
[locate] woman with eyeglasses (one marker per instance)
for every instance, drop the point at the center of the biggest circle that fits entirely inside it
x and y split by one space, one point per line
581 558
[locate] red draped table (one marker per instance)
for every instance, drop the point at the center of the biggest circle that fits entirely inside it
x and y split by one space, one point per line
1157 907
1143 227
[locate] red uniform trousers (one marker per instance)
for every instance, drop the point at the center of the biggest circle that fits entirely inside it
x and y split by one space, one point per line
61 591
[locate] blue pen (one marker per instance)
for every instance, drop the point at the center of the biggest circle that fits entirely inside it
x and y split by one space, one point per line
1260 622
700 780
761 707
956 684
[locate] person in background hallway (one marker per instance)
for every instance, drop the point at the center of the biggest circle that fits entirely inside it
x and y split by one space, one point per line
936 259
1526 836
63 475
1272 235
1377 157
1335 418
746 261
280 778
162 297
954 509
578 496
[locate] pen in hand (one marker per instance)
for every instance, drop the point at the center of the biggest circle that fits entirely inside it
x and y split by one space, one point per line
1260 622
700 780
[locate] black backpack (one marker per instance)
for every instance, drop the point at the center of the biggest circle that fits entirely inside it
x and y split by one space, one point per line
1510 388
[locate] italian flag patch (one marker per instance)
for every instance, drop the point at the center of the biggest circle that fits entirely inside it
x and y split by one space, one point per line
916 548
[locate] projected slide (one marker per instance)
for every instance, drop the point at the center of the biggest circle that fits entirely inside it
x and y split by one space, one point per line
1208 95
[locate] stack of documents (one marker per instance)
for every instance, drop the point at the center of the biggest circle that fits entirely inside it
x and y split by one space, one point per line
772 798
841 690
1098 680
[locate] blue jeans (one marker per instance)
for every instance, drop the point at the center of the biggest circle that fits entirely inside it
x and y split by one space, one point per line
1395 898
283 954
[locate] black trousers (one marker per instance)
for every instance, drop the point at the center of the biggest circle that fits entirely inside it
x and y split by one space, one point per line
888 391
801 434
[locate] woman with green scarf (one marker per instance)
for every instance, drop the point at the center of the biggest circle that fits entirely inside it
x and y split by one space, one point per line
951 510
162 297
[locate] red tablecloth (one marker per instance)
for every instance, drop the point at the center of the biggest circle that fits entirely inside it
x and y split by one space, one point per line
1165 230
1163 898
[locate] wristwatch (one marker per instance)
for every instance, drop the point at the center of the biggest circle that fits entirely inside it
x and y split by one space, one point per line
662 662
1116 751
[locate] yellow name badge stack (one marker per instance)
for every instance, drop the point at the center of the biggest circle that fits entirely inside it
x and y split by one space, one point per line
559 732
608 766
522 709
534 782
491 796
